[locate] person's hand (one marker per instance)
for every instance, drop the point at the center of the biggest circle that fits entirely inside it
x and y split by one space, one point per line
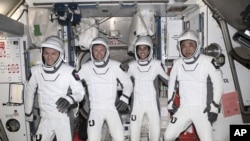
212 113
63 105
172 108
121 106
212 117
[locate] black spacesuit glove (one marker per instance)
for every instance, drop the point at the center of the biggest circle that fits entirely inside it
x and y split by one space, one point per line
212 116
174 110
121 106
63 105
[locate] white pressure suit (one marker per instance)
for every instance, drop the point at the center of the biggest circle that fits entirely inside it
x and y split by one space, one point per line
145 74
200 89
102 79
51 84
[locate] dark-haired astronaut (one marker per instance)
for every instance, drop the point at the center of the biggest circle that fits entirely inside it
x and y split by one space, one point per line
200 90
51 81
102 76
145 72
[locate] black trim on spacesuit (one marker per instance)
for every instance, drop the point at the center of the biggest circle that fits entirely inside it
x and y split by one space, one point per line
29 76
189 70
28 115
125 96
175 87
75 75
144 71
72 98
173 119
100 73
156 88
165 81
91 123
38 137
133 117
210 96
50 80
118 81
209 91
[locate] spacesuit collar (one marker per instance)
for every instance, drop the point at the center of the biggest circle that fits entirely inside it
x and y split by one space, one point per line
144 62
51 69
101 64
191 60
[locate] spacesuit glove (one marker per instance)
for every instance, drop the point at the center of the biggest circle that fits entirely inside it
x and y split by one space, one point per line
212 113
63 105
212 117
121 106
29 117
172 108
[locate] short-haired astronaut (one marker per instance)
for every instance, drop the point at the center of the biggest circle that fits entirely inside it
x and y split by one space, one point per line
145 72
102 75
51 80
200 89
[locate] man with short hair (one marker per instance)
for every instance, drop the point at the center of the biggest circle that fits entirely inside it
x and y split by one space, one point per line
200 90
51 81
102 76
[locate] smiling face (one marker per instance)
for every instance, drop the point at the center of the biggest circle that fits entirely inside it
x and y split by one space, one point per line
188 48
143 51
99 52
50 56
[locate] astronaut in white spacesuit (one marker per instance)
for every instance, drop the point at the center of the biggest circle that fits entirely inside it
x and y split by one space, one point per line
51 80
145 72
200 89
102 76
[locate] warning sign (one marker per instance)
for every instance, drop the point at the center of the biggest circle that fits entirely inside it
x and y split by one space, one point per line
13 68
230 104
2 46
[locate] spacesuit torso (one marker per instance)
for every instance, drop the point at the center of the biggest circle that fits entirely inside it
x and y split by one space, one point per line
144 76
146 97
193 81
102 83
50 87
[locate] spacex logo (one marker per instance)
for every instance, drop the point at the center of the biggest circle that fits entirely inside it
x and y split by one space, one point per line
239 132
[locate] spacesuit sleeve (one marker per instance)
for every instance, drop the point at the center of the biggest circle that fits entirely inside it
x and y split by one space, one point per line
30 92
78 91
171 85
162 73
216 78
80 73
126 83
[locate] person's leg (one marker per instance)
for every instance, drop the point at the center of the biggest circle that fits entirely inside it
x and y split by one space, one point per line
95 123
115 126
44 131
154 123
62 129
203 127
135 122
178 123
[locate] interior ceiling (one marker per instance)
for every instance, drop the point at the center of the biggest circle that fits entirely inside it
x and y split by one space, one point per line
230 10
